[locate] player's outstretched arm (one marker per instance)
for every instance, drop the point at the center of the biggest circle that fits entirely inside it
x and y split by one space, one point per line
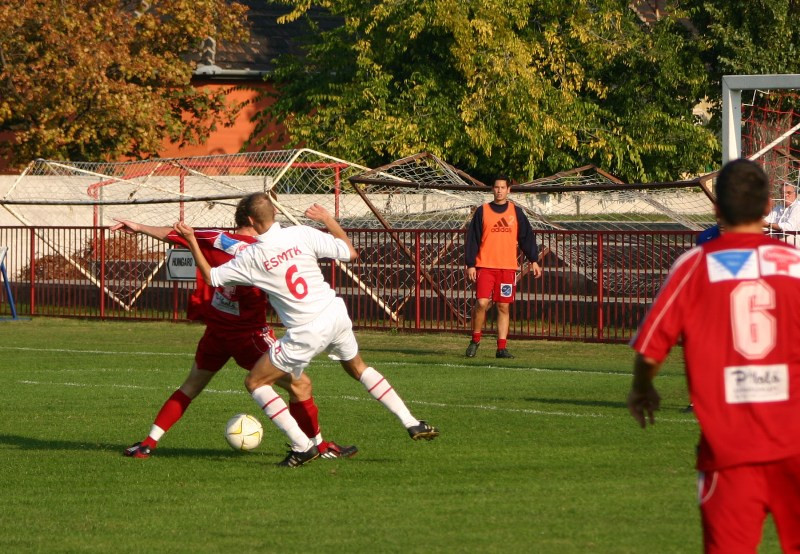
316 212
643 399
199 259
131 228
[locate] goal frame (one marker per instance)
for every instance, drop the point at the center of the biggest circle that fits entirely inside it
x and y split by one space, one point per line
732 87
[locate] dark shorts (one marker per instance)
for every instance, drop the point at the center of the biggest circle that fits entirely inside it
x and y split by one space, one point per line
246 347
734 503
498 285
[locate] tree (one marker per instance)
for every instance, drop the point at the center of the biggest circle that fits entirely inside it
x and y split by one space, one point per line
525 87
102 79
747 37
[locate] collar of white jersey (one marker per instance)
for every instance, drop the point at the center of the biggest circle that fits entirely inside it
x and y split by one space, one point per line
274 228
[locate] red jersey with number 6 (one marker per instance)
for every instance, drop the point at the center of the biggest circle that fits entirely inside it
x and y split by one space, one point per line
736 303
233 307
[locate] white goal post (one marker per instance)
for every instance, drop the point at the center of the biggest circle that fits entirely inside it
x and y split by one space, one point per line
732 87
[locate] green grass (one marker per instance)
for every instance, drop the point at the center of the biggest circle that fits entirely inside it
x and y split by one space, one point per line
537 454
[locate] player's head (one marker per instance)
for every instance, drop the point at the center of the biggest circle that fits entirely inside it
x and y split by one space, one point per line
742 192
258 210
240 215
501 186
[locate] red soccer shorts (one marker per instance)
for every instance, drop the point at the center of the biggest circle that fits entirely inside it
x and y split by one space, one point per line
218 346
735 501
496 284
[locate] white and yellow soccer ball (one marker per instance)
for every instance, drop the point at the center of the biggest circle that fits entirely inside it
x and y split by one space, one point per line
243 432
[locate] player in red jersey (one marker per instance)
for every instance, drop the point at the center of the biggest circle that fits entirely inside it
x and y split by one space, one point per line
735 302
494 233
236 327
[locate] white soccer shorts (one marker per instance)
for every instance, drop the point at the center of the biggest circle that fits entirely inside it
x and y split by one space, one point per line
331 331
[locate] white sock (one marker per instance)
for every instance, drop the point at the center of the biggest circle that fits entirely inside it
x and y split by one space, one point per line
156 433
380 389
278 412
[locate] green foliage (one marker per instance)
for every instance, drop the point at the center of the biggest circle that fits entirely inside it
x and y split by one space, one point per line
98 80
748 37
526 87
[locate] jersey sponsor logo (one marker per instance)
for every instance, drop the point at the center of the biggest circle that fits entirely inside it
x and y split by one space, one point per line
756 383
224 302
284 256
779 260
727 265
502 226
506 290
227 244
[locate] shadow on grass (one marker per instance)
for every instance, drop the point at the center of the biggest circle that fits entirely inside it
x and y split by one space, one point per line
262 455
32 443
576 402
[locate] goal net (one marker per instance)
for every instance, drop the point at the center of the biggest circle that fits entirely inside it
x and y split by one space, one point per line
771 136
571 211
202 191
421 203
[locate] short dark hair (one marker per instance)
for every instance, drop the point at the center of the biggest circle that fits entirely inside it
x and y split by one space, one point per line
257 206
240 215
742 192
501 177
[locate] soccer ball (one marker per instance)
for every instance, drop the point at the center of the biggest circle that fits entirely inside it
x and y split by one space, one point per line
243 432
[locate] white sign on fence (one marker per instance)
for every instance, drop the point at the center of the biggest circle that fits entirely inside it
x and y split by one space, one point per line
180 265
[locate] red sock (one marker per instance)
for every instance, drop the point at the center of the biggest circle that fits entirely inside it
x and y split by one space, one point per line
172 410
476 337
501 343
305 413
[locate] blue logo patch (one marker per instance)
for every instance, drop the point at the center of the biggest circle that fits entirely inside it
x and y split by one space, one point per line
228 244
506 289
732 260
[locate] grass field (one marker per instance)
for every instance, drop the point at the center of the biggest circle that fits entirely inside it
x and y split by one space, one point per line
537 454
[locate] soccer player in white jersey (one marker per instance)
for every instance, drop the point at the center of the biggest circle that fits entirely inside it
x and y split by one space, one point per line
236 327
284 263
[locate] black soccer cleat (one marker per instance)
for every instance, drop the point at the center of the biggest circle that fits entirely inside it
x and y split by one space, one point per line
330 450
137 450
297 459
423 431
472 349
503 353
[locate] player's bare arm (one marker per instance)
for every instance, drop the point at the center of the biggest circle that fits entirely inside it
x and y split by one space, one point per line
132 227
643 399
199 259
317 213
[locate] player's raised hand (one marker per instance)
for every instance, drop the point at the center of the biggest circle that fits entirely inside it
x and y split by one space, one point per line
183 230
126 226
643 404
316 212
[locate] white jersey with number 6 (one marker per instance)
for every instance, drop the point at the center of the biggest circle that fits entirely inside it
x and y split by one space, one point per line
284 264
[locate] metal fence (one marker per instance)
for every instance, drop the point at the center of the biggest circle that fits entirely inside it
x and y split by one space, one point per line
596 285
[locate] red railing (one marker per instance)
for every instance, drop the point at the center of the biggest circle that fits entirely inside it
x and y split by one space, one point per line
596 285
